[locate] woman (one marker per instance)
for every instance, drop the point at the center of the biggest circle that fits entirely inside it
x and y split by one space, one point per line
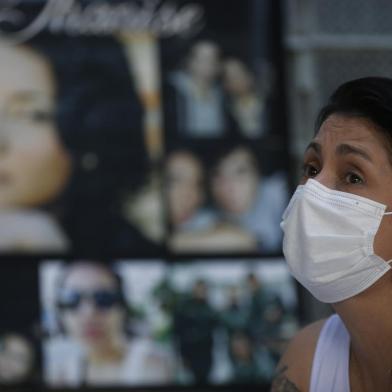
71 147
195 104
337 231
185 191
246 198
246 102
95 347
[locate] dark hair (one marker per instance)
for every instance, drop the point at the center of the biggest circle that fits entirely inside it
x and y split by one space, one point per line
369 97
224 148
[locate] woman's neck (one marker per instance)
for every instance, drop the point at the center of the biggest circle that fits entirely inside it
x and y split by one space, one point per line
368 319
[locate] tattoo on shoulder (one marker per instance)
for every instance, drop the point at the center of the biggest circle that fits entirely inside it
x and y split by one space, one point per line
281 383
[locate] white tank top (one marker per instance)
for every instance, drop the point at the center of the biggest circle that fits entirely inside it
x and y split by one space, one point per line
330 369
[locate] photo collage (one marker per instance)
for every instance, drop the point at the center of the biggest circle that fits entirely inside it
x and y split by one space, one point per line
143 177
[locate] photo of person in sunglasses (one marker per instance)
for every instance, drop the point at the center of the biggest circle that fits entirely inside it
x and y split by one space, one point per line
93 345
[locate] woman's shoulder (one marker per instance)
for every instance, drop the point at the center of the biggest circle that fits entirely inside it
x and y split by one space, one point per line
294 368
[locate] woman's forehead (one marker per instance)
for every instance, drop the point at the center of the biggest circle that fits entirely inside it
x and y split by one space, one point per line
24 69
338 129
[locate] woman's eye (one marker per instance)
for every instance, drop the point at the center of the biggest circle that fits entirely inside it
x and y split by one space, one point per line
310 171
353 178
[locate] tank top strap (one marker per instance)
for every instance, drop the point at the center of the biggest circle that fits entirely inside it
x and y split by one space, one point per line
330 368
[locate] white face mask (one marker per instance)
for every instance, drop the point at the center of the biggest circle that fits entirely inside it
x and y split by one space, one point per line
328 241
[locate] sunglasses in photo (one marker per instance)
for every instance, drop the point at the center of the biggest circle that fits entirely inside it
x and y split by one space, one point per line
101 299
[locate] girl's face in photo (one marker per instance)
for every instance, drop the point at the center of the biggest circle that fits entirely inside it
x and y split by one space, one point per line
89 306
184 186
235 181
237 79
34 166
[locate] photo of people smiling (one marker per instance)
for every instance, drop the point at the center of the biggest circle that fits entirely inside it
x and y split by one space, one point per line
225 202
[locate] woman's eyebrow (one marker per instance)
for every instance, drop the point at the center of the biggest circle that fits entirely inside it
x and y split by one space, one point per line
345 149
314 146
24 96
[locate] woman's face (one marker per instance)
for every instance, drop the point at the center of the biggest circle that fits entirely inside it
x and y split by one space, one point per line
34 166
237 78
204 61
184 186
348 154
16 359
235 181
89 306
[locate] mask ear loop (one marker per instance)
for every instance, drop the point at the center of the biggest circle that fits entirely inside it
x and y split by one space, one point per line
389 262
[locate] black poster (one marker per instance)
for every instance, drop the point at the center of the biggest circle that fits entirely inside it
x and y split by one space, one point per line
143 176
